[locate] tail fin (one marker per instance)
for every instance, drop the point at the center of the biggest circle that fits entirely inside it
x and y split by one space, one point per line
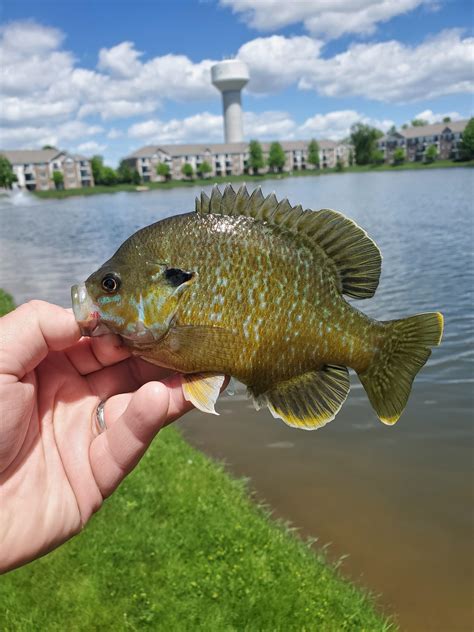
389 379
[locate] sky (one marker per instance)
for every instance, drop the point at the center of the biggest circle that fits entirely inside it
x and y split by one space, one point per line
107 77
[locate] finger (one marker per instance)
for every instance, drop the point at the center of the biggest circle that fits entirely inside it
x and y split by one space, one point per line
115 452
124 377
30 331
93 354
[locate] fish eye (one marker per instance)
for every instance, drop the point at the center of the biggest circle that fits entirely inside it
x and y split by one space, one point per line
111 282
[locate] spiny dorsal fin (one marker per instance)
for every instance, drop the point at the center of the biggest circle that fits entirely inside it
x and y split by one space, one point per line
355 255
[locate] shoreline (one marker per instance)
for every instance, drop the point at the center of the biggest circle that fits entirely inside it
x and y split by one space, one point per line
172 184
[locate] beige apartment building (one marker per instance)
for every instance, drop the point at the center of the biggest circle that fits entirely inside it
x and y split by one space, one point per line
34 168
446 137
227 159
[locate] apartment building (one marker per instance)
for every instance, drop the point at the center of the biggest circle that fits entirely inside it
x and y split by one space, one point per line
446 137
34 168
227 159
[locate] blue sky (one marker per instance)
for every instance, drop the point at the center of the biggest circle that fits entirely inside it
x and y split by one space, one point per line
108 77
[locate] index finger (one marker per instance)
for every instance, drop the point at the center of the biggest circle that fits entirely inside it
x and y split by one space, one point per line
32 330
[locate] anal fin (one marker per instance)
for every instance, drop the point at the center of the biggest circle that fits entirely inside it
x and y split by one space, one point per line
202 390
310 400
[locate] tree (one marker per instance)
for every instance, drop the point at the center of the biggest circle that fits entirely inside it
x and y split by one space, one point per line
187 170
446 119
392 131
256 160
313 153
49 147
58 180
405 126
351 157
97 166
136 177
377 157
364 139
419 122
204 169
276 157
431 153
109 176
6 173
339 164
398 156
467 143
163 170
124 173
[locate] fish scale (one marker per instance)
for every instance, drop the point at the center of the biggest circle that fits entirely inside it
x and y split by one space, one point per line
254 288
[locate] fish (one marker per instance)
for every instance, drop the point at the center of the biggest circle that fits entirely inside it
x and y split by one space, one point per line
254 288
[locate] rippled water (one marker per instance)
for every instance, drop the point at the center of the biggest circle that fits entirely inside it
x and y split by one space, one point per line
397 499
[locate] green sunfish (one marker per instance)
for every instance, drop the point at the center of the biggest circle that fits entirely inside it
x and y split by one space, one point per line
254 288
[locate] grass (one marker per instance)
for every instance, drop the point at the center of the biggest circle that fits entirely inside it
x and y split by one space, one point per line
181 546
6 302
171 184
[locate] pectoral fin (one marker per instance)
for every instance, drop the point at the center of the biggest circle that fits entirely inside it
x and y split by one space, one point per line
307 401
202 390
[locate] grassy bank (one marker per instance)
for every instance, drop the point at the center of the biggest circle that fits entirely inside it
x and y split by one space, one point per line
6 302
181 546
249 179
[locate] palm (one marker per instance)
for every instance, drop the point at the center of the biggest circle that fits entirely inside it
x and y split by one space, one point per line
55 468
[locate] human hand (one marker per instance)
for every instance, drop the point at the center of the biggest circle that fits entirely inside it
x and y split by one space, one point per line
56 468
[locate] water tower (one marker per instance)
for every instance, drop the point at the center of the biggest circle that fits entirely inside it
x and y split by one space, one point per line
230 77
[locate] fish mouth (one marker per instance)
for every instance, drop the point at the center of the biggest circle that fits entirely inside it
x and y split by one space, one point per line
86 312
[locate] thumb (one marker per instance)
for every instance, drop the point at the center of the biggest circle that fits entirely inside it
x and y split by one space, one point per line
115 452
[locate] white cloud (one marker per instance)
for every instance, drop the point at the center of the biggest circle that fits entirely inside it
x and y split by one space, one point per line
117 109
206 127
337 125
386 71
121 60
114 133
91 147
431 117
27 136
323 18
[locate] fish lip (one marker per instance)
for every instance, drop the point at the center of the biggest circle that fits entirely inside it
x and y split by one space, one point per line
86 312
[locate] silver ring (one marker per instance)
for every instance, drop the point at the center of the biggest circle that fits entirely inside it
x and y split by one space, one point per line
99 416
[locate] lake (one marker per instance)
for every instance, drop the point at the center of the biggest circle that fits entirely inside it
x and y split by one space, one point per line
396 500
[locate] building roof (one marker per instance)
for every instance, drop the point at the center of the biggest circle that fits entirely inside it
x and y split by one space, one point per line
29 156
222 148
428 130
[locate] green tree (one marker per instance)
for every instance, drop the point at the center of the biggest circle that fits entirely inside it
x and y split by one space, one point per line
364 140
163 170
419 122
49 147
7 177
398 156
276 157
124 173
405 126
339 164
256 160
377 157
204 169
109 176
97 166
467 142
58 179
392 131
136 177
351 157
313 153
187 170
431 153
446 119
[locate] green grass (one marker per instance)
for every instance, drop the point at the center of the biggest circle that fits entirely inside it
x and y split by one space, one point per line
6 302
182 546
440 164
